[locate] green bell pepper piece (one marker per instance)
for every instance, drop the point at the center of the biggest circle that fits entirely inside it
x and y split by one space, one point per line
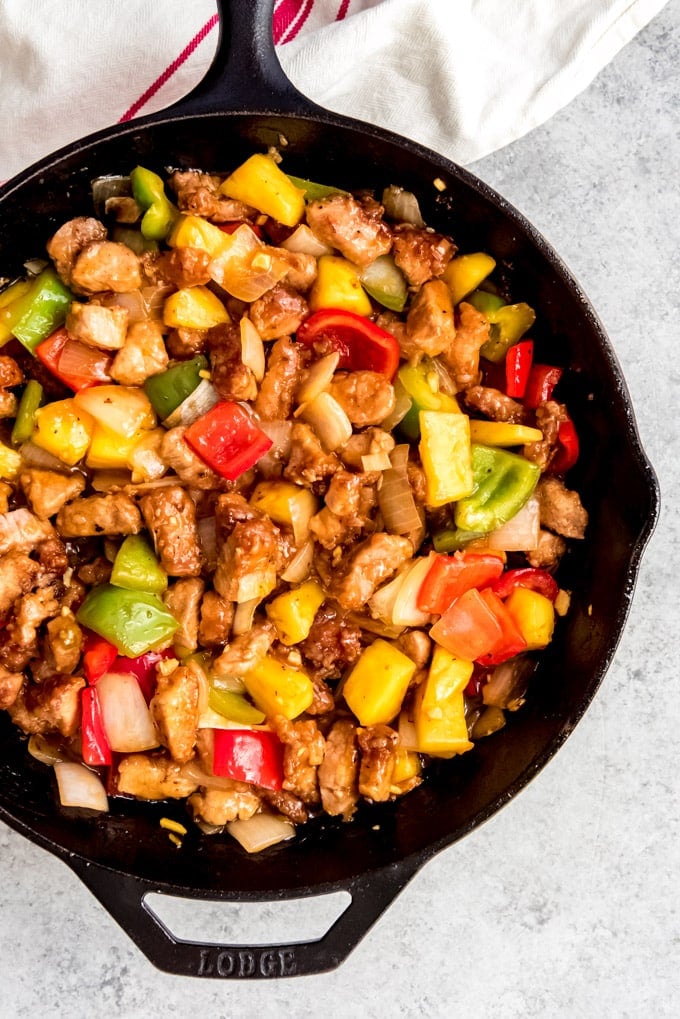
313 191
234 706
418 381
509 322
503 482
136 567
385 282
170 388
149 191
28 405
133 621
35 315
483 301
451 540
133 239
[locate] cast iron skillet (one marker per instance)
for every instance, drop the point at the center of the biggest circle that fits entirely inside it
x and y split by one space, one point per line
246 104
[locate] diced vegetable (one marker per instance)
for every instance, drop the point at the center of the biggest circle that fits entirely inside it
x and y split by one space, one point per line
125 715
421 382
313 191
337 287
362 345
248 756
446 456
95 745
278 688
136 568
80 787
293 612
234 706
31 399
329 421
38 311
377 684
518 367
464 273
508 324
511 641
64 430
287 504
542 380
450 576
10 462
125 410
133 621
259 182
169 388
98 656
503 433
439 709
196 232
228 440
194 308
74 363
160 214
109 450
567 449
503 482
244 268
469 628
261 831
534 615
530 577
385 283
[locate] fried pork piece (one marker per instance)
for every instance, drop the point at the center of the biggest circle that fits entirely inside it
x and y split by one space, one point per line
549 416
244 651
374 561
10 372
421 254
216 617
302 268
18 574
247 563
142 354
237 801
323 700
417 646
279 312
199 194
188 467
494 404
462 357
275 399
338 772
10 686
308 463
183 267
113 513
170 516
184 343
303 752
333 643
153 777
106 265
232 379
47 491
183 600
70 239
21 633
54 706
8 404
547 554
287 804
372 440
174 708
341 222
63 643
378 745
366 397
430 327
97 326
350 501
560 508
23 531
53 559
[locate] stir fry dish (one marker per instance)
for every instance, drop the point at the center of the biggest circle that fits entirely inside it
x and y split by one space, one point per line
282 502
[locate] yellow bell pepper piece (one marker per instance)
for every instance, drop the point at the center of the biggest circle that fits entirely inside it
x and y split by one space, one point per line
502 433
10 462
293 612
194 308
337 285
7 298
534 615
407 766
124 410
287 504
259 182
439 707
464 274
109 450
195 232
446 456
278 688
378 683
64 430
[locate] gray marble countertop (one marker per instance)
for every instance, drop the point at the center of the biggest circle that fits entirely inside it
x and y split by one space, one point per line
566 903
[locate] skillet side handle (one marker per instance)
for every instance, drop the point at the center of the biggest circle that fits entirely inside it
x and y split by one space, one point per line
124 899
245 75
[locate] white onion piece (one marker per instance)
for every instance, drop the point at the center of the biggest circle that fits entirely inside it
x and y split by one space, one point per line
376 461
397 503
402 406
328 420
35 456
47 749
199 402
303 241
256 585
381 604
261 831
133 302
244 270
402 205
317 378
194 772
252 348
444 379
34 266
407 732
302 507
243 616
405 611
376 626
298 568
126 718
207 539
270 465
521 533
80 787
154 298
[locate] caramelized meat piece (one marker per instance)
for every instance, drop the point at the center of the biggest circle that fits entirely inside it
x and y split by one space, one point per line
417 646
333 643
188 467
275 399
287 804
302 268
429 324
153 777
143 354
183 267
114 513
18 573
244 651
63 643
236 801
232 379
199 194
308 462
462 357
53 559
350 501
378 745
96 572
248 561
366 397
30 611
183 600
174 708
561 509
374 561
421 254
216 618
10 372
340 222
54 706
323 700
494 404
547 554
106 265
170 515
184 343
373 440
23 531
97 326
338 772
303 753
47 491
549 416
279 312
10 687
70 239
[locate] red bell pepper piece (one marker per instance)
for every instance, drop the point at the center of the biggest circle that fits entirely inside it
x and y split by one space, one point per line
95 745
362 345
98 657
518 362
452 575
249 755
535 579
567 451
469 628
542 380
74 363
143 668
511 641
227 439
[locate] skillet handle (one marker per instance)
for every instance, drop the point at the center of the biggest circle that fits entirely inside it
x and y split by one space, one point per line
245 75
123 896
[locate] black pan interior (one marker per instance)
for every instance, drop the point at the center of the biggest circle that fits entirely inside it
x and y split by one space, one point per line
615 480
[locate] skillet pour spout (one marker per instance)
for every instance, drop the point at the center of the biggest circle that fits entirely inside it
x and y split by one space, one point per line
246 104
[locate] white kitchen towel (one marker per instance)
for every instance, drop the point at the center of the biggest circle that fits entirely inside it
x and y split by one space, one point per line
464 77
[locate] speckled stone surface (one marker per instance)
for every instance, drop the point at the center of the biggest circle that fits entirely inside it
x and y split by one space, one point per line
565 904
